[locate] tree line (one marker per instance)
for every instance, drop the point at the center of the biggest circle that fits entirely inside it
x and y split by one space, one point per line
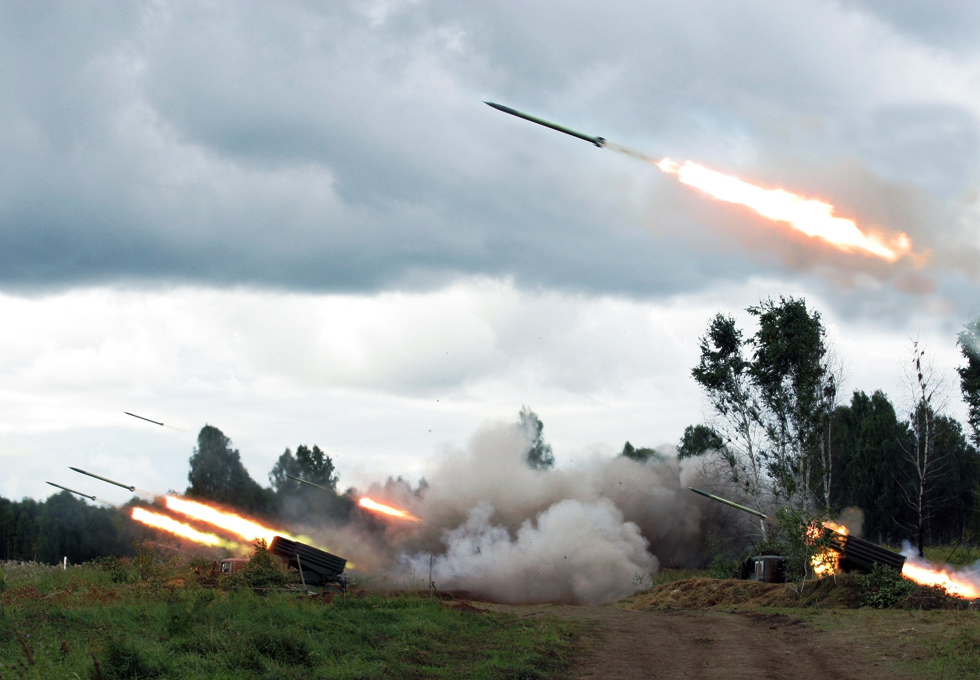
785 437
64 526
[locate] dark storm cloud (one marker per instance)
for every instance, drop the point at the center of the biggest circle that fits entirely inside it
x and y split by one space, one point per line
344 147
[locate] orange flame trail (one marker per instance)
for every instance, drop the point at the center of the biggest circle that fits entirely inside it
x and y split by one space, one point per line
369 504
159 521
229 521
810 216
954 584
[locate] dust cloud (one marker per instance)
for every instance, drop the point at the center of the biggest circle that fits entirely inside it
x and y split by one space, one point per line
496 528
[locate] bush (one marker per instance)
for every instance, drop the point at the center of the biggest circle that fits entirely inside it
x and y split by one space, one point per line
118 570
263 569
885 587
724 567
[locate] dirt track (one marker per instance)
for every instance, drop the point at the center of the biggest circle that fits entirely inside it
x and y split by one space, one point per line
696 644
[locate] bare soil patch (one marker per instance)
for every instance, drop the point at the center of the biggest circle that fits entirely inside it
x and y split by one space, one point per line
710 645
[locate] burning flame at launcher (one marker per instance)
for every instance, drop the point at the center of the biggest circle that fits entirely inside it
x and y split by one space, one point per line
232 523
221 520
155 519
826 562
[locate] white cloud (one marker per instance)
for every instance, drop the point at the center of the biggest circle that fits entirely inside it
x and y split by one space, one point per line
380 382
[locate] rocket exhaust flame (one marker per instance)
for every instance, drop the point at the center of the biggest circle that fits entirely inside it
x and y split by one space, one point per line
222 519
374 506
932 576
171 525
826 562
810 216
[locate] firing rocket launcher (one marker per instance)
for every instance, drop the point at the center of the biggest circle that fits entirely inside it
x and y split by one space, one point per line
853 553
316 567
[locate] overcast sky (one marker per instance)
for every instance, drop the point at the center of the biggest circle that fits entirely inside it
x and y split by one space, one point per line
298 222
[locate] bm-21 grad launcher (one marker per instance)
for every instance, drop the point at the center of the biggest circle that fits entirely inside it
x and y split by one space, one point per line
855 554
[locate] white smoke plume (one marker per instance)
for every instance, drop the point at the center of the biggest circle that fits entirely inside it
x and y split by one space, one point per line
496 528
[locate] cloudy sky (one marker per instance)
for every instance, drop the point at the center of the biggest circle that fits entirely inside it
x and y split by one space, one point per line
298 222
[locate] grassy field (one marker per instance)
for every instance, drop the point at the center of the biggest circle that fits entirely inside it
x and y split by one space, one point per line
90 623
940 643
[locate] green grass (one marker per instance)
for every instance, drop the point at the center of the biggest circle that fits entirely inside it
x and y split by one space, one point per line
939 643
672 575
957 556
60 625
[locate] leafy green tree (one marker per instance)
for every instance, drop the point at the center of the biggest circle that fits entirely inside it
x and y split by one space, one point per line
770 407
285 467
969 342
217 474
698 439
639 454
316 466
298 502
724 373
789 370
539 455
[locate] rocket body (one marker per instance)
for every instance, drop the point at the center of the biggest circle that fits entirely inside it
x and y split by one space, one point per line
77 493
102 479
598 141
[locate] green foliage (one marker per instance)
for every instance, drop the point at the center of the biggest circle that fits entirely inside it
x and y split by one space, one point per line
61 526
539 455
724 373
263 570
725 567
118 570
217 474
788 369
135 632
640 455
969 342
125 658
699 439
884 587
798 545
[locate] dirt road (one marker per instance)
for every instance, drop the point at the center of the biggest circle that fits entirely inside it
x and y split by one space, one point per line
711 645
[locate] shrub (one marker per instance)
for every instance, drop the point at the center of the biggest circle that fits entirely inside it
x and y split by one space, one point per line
118 570
724 567
263 570
885 587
